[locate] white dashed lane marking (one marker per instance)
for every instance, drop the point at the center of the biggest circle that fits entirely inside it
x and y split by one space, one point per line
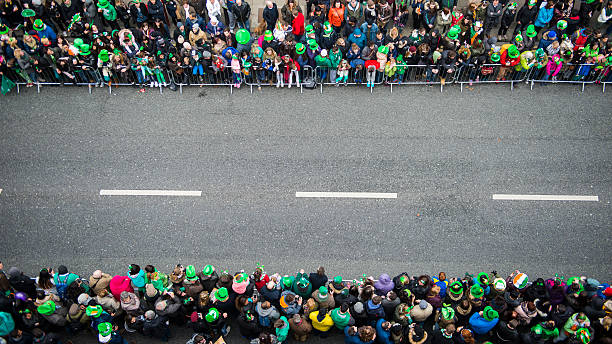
150 193
510 197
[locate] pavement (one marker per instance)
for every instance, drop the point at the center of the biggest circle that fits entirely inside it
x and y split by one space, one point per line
443 154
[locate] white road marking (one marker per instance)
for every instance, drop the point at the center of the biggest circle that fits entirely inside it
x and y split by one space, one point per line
0 191
545 198
150 193
346 194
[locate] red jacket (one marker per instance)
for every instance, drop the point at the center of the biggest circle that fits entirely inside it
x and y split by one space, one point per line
374 63
504 59
298 25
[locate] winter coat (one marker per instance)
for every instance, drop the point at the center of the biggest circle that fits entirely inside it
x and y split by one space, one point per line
384 283
282 332
544 16
98 284
340 320
119 284
324 325
133 306
248 329
289 308
527 15
266 316
108 303
480 325
419 315
156 328
301 329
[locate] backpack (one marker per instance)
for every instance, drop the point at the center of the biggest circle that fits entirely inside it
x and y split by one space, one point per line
6 324
61 286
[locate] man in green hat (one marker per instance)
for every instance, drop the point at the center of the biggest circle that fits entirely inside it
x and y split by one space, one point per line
109 13
44 30
4 29
300 49
484 321
454 32
208 277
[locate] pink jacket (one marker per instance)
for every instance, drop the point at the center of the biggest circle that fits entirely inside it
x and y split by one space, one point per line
119 284
552 68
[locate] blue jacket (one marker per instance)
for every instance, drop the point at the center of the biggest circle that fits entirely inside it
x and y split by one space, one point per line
382 336
360 41
480 325
138 280
544 16
373 31
354 339
49 33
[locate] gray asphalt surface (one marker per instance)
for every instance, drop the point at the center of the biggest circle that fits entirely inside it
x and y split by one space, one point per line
445 154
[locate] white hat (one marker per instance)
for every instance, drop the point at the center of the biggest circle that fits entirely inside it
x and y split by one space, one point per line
324 52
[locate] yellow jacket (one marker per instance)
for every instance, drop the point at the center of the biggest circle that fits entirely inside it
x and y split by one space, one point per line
324 325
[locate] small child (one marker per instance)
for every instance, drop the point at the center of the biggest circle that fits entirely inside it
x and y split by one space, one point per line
390 69
235 64
343 72
278 68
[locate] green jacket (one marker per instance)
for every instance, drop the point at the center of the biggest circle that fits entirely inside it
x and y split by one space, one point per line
281 333
544 333
322 61
71 278
109 13
341 321
335 58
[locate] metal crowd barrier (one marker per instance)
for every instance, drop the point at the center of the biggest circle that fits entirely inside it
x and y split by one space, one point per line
582 74
266 78
420 75
490 73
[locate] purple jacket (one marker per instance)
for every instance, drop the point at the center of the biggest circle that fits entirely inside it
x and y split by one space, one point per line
384 285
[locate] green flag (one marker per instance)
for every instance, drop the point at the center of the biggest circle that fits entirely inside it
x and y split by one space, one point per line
7 85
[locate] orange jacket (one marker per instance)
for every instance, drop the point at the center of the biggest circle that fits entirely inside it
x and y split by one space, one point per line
336 16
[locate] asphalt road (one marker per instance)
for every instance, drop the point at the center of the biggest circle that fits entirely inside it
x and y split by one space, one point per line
444 154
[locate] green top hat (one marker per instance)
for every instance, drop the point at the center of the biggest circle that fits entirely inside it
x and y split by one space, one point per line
300 48
531 31
494 58
27 13
453 33
39 25
383 49
84 49
212 315
208 270
103 55
190 273
513 52
221 294
4 29
268 35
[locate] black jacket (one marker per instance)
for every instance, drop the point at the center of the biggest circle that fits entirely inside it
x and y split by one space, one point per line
527 16
249 329
156 328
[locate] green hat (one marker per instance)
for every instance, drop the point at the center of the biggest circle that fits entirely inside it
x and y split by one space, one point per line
403 278
531 2
495 57
482 277
513 52
103 55
27 13
309 29
327 29
539 53
246 65
243 36
46 308
561 24
190 273
241 277
448 313
102 3
322 290
518 38
268 35
454 32
208 270
513 5
338 279
531 31
39 25
408 292
583 335
221 294
212 315
303 282
105 328
84 49
313 44
383 49
489 313
300 48
286 282
4 29
93 311
590 1
456 288
77 42
477 290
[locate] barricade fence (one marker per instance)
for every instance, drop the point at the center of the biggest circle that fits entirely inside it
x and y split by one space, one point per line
119 75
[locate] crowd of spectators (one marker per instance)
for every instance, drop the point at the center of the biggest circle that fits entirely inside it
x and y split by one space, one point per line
165 42
272 308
